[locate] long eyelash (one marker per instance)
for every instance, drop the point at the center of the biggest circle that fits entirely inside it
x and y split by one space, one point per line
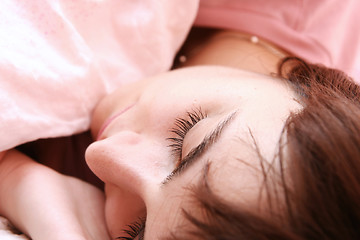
182 127
135 229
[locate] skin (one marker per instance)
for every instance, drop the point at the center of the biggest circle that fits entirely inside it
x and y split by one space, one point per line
45 204
132 154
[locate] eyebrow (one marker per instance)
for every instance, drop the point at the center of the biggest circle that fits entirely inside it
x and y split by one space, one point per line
195 153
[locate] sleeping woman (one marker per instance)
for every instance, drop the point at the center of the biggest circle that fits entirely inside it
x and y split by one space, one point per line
218 152
242 139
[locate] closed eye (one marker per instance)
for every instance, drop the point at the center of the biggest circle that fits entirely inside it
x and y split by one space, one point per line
200 149
182 127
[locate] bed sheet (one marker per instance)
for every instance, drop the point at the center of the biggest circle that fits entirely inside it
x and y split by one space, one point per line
58 58
8 232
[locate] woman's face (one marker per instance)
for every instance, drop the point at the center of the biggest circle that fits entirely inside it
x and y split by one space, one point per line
216 108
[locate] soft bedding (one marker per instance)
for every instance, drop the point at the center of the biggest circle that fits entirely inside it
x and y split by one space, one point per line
58 58
7 232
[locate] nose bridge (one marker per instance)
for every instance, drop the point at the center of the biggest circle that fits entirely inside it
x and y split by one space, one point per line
130 161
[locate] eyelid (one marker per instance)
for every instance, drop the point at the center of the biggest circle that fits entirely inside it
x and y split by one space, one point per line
135 230
182 127
197 151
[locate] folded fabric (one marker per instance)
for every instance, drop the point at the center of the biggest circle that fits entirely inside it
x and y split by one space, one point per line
325 32
8 232
58 58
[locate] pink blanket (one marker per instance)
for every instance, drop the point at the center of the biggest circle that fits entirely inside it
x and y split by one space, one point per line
59 57
8 232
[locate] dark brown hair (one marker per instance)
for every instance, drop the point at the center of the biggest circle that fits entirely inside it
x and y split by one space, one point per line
320 188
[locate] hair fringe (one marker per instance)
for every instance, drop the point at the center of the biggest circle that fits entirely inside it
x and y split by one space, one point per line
321 184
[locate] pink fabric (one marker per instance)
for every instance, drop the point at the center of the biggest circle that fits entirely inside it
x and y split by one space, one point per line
59 57
321 31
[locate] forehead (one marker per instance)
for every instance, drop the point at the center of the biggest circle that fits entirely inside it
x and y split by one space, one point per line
234 172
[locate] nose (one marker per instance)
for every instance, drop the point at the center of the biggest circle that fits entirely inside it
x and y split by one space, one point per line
132 167
130 161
